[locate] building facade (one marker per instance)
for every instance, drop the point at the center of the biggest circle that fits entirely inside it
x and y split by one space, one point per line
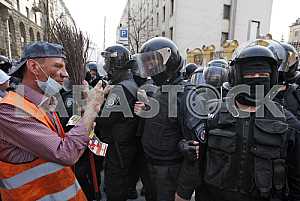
122 29
295 31
294 37
195 23
25 21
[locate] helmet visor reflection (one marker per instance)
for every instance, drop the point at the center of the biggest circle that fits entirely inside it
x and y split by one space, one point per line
151 63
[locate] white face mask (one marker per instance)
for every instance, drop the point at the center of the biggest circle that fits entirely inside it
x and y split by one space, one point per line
49 87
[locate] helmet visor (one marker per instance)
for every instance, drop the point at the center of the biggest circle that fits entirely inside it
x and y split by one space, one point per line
292 58
280 54
215 76
151 63
197 78
106 54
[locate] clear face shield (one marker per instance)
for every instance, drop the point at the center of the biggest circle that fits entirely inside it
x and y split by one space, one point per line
286 57
151 63
198 78
215 76
292 58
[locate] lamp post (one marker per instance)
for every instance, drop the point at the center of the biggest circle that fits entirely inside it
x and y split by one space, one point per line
128 26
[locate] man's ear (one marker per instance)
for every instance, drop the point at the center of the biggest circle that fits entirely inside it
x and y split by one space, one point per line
32 67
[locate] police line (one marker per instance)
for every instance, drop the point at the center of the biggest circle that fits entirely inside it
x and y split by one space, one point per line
203 101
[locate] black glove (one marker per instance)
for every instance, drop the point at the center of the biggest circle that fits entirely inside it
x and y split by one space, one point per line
189 149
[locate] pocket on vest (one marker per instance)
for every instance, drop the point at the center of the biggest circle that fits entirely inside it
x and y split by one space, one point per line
221 146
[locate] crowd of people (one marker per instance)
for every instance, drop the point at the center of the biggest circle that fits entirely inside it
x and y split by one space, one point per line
226 131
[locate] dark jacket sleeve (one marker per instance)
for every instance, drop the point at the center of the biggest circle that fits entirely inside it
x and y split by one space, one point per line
115 117
293 159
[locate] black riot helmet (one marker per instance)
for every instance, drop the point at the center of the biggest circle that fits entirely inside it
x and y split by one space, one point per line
288 71
5 63
160 59
253 59
189 70
116 58
254 66
287 56
218 63
215 76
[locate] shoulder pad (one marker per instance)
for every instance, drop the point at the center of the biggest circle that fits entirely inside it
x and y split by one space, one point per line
131 86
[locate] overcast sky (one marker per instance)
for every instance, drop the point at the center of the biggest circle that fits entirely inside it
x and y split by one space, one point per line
89 16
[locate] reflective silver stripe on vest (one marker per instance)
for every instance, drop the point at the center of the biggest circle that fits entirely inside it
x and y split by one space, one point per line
30 175
66 194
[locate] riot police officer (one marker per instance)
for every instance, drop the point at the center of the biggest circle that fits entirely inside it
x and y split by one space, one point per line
198 78
163 137
219 63
5 64
94 75
247 157
189 70
289 96
117 125
215 76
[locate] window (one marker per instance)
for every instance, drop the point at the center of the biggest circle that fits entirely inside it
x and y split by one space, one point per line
172 8
27 12
157 3
164 13
152 23
224 37
171 33
297 33
18 5
226 12
38 36
157 19
35 18
163 34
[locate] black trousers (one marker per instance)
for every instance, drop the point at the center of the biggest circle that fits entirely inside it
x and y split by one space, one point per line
118 163
163 181
140 170
189 178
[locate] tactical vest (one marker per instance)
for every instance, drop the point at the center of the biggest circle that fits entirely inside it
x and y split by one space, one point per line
162 133
38 179
246 156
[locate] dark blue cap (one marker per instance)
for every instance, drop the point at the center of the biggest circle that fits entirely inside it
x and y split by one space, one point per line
92 66
38 50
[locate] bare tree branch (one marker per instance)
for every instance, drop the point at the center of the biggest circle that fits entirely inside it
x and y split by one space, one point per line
137 33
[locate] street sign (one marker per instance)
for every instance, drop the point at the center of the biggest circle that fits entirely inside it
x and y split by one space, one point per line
123 34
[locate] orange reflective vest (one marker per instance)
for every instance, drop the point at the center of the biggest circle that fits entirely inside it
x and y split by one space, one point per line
37 180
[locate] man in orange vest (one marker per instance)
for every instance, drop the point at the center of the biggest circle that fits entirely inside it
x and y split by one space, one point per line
35 153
